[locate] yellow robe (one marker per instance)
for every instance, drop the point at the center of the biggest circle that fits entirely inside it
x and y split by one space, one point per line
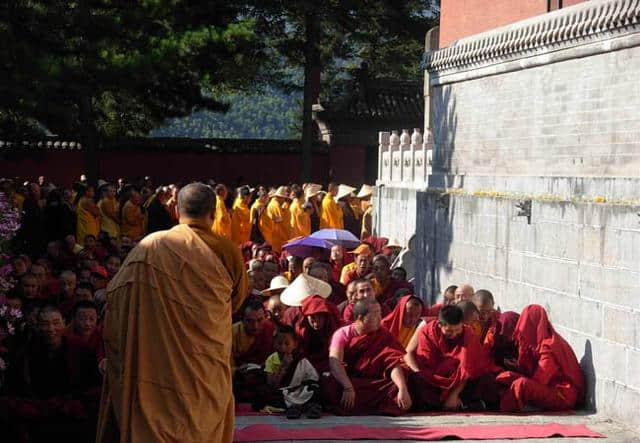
240 342
331 216
264 224
300 220
240 222
132 221
405 335
88 224
222 221
109 209
172 383
279 226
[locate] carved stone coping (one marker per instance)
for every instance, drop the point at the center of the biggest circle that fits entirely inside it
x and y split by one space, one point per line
583 22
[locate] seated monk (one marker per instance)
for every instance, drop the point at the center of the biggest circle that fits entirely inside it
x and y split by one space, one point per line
404 319
363 289
52 387
385 286
471 318
252 337
450 359
448 298
499 338
464 292
252 342
350 293
84 327
314 331
322 271
275 310
547 374
485 303
361 266
368 375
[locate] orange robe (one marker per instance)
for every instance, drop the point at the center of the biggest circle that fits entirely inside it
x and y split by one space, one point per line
222 221
109 209
300 220
132 221
276 231
331 216
88 224
240 222
168 339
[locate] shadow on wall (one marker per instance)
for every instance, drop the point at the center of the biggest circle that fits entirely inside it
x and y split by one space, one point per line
444 127
436 209
589 371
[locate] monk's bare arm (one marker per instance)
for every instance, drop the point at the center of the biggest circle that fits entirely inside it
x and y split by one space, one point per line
399 378
412 347
337 369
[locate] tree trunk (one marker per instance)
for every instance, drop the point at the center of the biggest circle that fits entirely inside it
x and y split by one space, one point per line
89 142
311 90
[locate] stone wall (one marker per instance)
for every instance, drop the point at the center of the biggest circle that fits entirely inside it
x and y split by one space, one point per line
534 187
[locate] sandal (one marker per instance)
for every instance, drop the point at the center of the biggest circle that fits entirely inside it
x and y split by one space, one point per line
314 411
293 413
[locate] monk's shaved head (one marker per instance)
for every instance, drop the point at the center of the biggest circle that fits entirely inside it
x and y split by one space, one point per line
196 200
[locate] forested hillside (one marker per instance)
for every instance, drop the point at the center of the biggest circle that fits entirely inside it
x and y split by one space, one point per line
269 115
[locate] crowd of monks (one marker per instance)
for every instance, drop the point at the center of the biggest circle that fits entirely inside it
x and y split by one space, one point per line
337 331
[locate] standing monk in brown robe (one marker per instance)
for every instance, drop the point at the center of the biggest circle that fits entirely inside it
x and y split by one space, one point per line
168 332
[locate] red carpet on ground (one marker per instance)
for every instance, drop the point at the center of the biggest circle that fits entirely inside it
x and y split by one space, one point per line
358 432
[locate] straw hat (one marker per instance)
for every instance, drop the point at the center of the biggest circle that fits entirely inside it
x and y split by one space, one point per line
281 192
302 287
278 283
365 191
343 191
312 190
394 243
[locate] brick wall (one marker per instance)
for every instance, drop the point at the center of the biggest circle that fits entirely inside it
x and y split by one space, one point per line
65 167
461 18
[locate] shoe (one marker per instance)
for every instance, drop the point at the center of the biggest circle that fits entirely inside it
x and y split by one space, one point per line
476 406
314 411
293 413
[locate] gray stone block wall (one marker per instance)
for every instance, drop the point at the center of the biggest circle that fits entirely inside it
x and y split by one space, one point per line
575 117
581 261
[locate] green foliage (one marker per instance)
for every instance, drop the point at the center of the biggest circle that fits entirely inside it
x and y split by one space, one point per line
117 67
270 114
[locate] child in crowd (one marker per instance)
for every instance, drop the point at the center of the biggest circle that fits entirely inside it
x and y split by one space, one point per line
292 378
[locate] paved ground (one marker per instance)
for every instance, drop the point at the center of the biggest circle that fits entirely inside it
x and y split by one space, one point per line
613 431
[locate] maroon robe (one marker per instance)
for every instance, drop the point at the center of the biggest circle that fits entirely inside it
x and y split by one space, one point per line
445 364
315 344
369 360
499 338
393 322
548 374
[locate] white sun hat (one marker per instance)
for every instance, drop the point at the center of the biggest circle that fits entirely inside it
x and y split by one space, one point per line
302 287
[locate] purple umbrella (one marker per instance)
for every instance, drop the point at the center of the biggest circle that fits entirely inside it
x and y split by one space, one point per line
337 237
303 247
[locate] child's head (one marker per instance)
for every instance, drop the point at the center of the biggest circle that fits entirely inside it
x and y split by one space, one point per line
285 341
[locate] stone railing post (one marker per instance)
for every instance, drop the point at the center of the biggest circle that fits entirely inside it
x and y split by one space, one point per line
406 147
384 157
396 157
418 157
